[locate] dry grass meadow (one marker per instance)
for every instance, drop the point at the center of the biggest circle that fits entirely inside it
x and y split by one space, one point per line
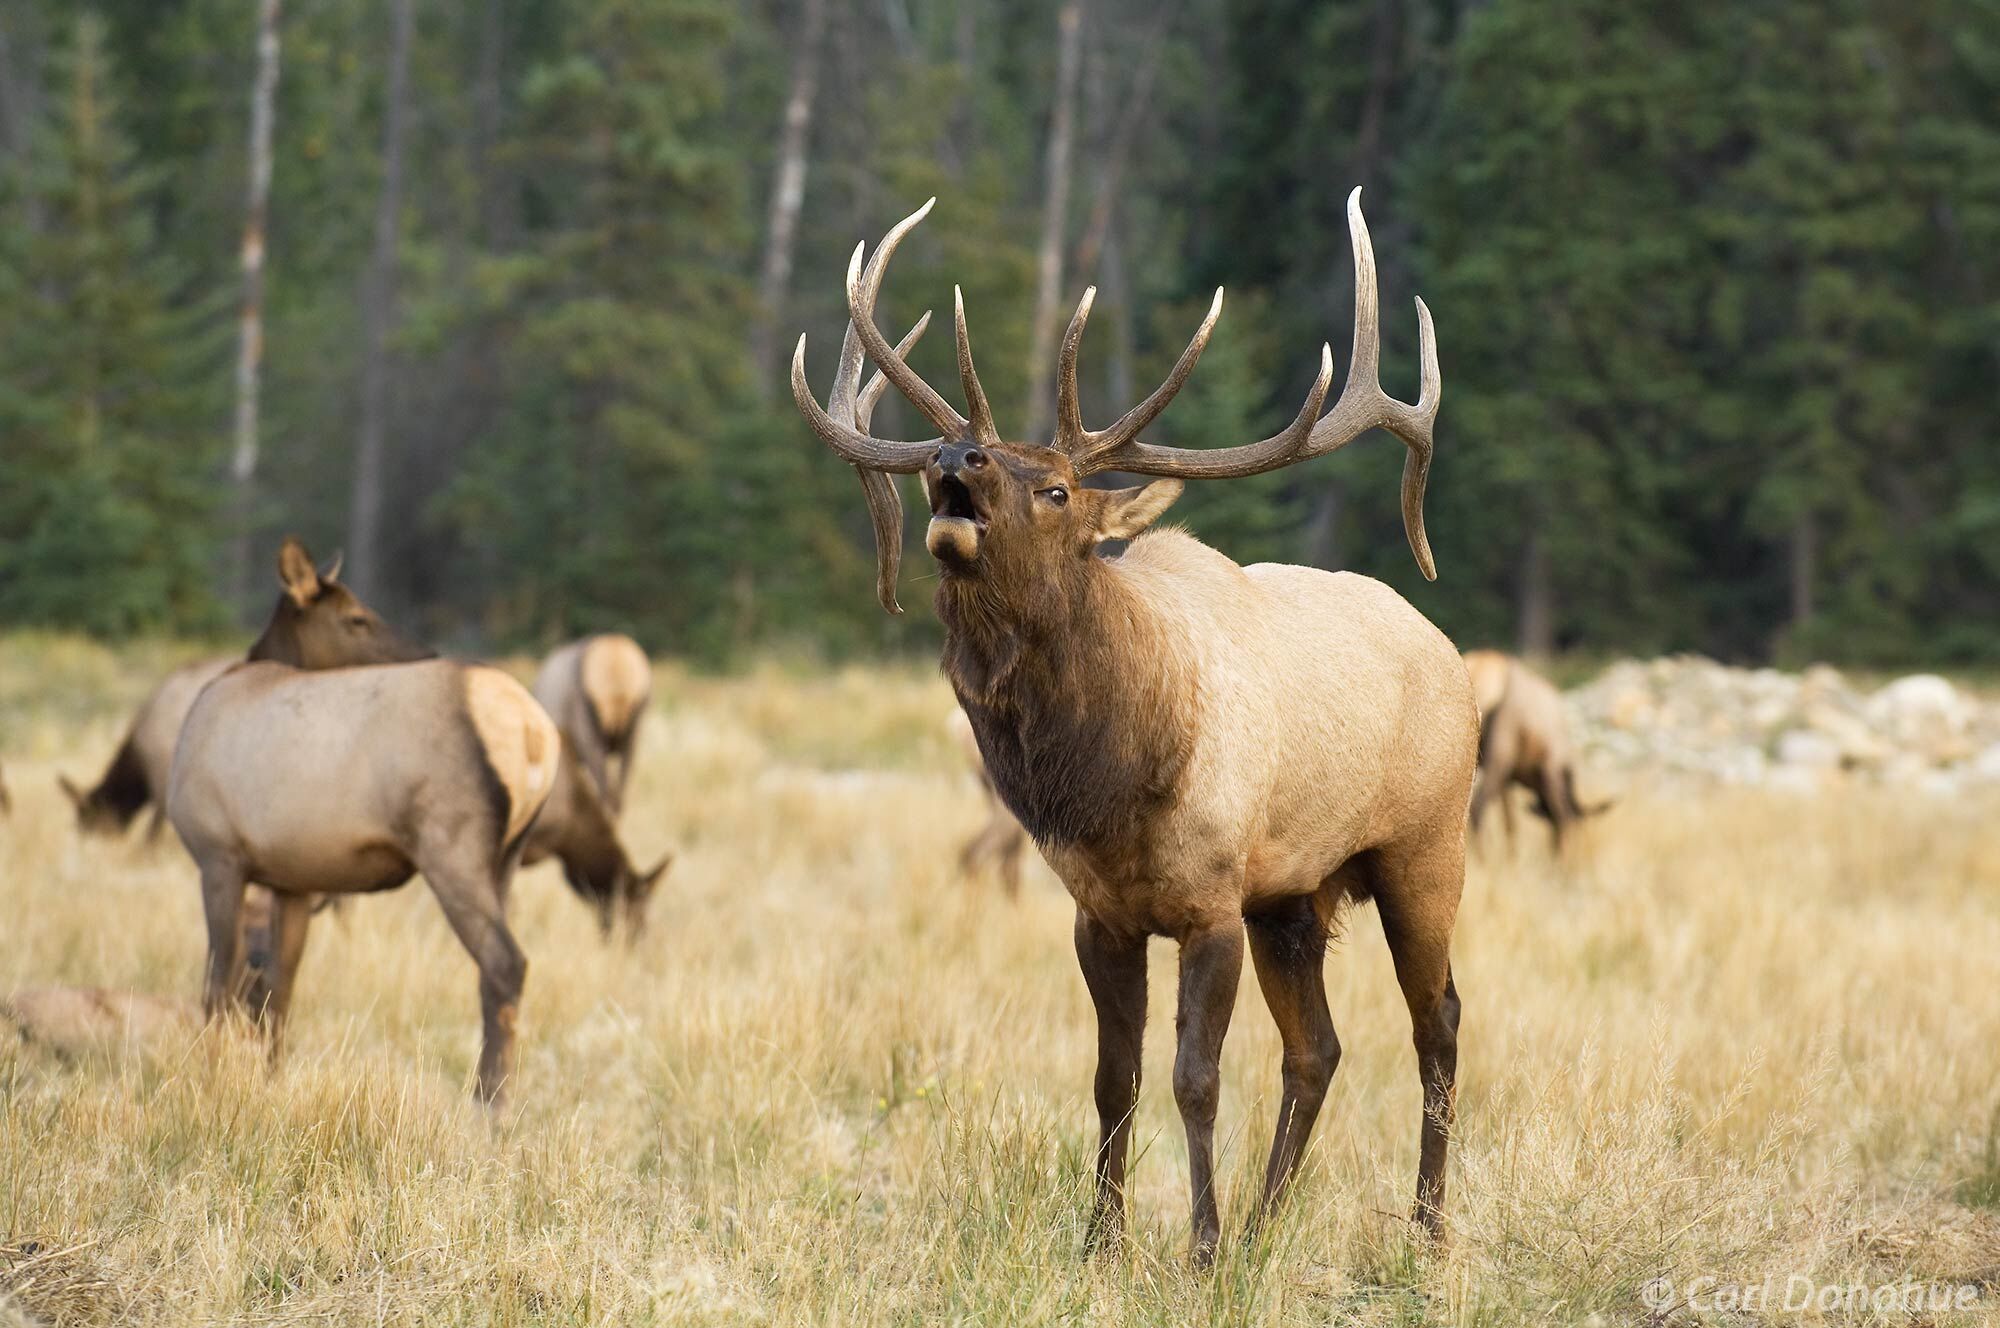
1739 1036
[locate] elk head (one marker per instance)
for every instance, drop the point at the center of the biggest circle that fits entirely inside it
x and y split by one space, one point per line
1018 513
94 815
321 624
636 889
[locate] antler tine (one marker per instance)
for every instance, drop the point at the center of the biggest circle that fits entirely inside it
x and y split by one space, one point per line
862 289
983 428
854 445
1133 422
840 401
1071 436
1224 463
885 503
885 514
869 396
1363 405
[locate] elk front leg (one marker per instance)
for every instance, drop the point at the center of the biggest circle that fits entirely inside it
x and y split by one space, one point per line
1211 966
1288 950
1114 968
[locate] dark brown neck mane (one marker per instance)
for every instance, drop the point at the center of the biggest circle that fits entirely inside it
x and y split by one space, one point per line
1076 695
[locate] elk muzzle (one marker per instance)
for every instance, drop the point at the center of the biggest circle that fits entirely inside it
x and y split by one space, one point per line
958 521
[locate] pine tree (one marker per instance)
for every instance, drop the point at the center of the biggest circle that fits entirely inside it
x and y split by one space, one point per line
108 380
602 488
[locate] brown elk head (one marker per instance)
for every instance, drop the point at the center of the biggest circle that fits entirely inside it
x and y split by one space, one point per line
321 624
610 883
636 888
99 813
1018 512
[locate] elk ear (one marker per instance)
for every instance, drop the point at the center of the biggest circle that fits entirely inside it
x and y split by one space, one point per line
1123 513
296 573
332 572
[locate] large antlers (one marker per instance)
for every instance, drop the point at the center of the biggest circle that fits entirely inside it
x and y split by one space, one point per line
1363 405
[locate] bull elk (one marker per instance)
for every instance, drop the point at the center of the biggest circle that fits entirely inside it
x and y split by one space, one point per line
349 780
137 775
1524 739
1195 746
597 690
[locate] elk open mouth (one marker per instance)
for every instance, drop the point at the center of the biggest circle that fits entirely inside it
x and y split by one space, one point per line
957 524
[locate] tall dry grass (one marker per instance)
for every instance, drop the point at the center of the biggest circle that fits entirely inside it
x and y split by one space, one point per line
1738 1036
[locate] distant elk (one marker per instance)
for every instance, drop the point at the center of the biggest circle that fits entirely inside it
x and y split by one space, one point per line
340 631
597 690
137 775
351 780
1002 839
1524 739
576 829
1193 744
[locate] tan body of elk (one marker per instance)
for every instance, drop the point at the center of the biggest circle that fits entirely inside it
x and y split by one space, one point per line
351 779
576 828
1524 739
1002 840
137 775
1195 745
597 690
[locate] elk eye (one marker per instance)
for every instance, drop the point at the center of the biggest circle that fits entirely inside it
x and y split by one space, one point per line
1057 495
357 620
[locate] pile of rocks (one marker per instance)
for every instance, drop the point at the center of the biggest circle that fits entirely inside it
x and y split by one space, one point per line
1687 717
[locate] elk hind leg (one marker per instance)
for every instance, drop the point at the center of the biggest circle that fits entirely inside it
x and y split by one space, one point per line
474 902
1288 950
271 999
1552 802
1498 753
1417 893
623 753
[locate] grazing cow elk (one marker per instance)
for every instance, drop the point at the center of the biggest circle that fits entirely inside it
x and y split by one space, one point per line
349 780
576 828
137 775
1523 739
1002 839
6 802
1193 744
596 690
